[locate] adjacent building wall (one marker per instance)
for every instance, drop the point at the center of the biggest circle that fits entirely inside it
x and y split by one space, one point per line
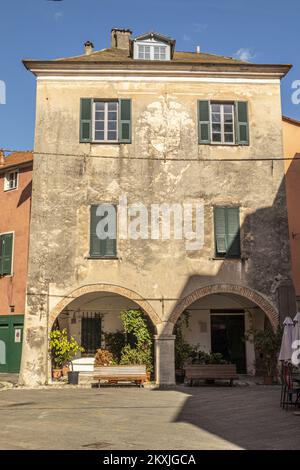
15 217
291 141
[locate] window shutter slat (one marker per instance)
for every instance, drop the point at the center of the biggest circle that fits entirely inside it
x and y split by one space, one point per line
220 230
6 254
86 107
242 122
125 121
204 122
233 231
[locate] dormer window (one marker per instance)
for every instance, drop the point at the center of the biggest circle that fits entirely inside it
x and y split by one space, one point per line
152 52
153 46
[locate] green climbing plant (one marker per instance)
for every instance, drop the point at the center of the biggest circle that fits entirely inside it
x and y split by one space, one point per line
138 337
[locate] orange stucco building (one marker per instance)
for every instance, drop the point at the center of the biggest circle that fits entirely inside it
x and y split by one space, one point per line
291 141
15 204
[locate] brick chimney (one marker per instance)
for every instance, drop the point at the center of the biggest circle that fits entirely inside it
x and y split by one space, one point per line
2 158
120 38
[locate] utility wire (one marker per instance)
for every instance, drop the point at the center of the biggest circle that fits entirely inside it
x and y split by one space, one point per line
162 159
157 299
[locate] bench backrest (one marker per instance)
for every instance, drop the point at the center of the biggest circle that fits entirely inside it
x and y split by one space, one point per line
120 371
210 370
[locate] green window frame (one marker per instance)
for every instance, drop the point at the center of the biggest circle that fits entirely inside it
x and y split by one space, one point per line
99 248
88 116
6 253
241 122
227 232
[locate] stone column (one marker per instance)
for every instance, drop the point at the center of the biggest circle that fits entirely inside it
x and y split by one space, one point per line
34 364
165 355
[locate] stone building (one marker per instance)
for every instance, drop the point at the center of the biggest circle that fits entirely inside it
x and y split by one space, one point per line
15 203
144 124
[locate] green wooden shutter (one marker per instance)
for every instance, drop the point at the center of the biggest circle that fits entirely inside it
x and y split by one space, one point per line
86 109
220 230
242 124
100 248
6 242
125 121
204 122
95 248
233 231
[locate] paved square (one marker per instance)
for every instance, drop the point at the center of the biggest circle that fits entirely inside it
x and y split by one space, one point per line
130 418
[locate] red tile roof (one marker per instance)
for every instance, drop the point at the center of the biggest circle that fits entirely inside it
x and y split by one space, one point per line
120 55
15 159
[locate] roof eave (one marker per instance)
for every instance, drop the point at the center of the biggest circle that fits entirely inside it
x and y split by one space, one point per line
36 66
291 120
5 168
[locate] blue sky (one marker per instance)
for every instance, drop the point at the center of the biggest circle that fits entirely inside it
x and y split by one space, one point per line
262 31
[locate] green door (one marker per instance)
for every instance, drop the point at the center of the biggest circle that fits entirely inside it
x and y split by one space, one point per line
11 339
4 341
227 338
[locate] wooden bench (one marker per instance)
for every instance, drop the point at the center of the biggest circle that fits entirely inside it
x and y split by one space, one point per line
115 374
211 372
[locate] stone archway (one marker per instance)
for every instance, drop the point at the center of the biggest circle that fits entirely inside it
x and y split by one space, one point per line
250 294
81 292
114 289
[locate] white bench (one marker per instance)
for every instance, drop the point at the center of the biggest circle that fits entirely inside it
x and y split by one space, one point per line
84 365
115 374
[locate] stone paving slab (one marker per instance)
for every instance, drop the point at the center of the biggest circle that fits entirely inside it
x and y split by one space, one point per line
130 418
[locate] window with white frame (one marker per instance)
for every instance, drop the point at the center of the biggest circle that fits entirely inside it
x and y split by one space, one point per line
152 52
160 52
11 180
144 52
222 123
106 116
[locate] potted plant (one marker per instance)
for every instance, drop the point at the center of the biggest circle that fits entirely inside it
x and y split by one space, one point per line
267 343
62 351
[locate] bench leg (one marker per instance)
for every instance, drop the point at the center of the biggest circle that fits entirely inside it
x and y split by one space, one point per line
98 383
231 383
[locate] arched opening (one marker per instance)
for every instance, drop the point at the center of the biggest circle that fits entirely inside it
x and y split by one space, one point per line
92 315
215 319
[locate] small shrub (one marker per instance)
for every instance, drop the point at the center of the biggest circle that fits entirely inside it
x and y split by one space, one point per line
62 349
115 342
103 357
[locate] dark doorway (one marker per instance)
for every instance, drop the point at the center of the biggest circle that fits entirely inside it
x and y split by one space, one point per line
90 333
227 338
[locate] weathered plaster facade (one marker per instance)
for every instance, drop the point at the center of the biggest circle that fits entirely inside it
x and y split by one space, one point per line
157 275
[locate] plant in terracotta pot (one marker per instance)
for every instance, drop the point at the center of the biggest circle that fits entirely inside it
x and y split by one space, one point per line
267 343
62 350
